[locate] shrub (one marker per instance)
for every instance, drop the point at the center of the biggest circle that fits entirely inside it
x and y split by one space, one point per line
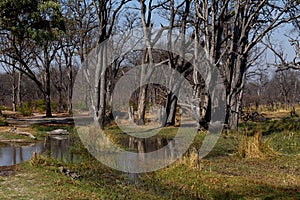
40 105
3 122
54 105
254 146
1 108
26 109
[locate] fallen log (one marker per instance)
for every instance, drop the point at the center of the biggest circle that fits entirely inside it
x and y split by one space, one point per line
14 141
26 134
15 131
58 132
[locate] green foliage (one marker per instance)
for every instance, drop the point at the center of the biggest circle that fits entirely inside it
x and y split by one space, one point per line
40 21
272 126
1 108
54 105
40 105
3 122
42 160
26 109
43 129
220 176
285 142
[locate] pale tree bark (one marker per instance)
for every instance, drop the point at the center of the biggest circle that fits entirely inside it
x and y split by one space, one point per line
9 66
78 39
19 89
70 86
14 89
180 64
57 79
171 101
106 12
147 60
201 97
230 31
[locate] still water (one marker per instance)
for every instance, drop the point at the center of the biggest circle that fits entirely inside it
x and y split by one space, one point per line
57 147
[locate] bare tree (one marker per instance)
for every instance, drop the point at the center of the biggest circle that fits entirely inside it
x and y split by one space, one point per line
107 13
11 71
229 31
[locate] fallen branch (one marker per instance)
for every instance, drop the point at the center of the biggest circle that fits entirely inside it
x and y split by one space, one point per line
58 132
15 131
14 141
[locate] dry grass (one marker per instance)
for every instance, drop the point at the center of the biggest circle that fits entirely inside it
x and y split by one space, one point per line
241 166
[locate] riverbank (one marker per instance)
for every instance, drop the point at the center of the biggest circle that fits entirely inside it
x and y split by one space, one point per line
218 178
270 171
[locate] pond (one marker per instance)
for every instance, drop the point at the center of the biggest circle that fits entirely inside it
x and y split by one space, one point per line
57 147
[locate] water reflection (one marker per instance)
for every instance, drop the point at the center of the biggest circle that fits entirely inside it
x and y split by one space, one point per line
146 153
12 154
146 145
57 147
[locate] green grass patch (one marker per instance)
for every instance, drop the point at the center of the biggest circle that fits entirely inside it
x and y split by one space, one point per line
222 173
271 126
9 136
42 130
285 142
3 121
220 177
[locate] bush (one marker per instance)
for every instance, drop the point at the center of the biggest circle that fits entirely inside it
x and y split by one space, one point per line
26 109
1 108
3 122
40 105
54 106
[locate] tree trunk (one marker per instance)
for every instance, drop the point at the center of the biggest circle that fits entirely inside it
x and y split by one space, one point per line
102 109
205 115
19 89
171 106
70 90
147 58
109 96
14 88
171 102
99 101
232 113
60 88
48 105
14 94
142 105
48 92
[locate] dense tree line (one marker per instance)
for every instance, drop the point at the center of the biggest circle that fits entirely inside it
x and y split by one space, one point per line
45 41
280 90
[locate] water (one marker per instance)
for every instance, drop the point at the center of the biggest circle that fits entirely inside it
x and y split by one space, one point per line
11 154
57 147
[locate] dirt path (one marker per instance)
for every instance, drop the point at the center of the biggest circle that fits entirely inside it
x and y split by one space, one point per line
24 122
